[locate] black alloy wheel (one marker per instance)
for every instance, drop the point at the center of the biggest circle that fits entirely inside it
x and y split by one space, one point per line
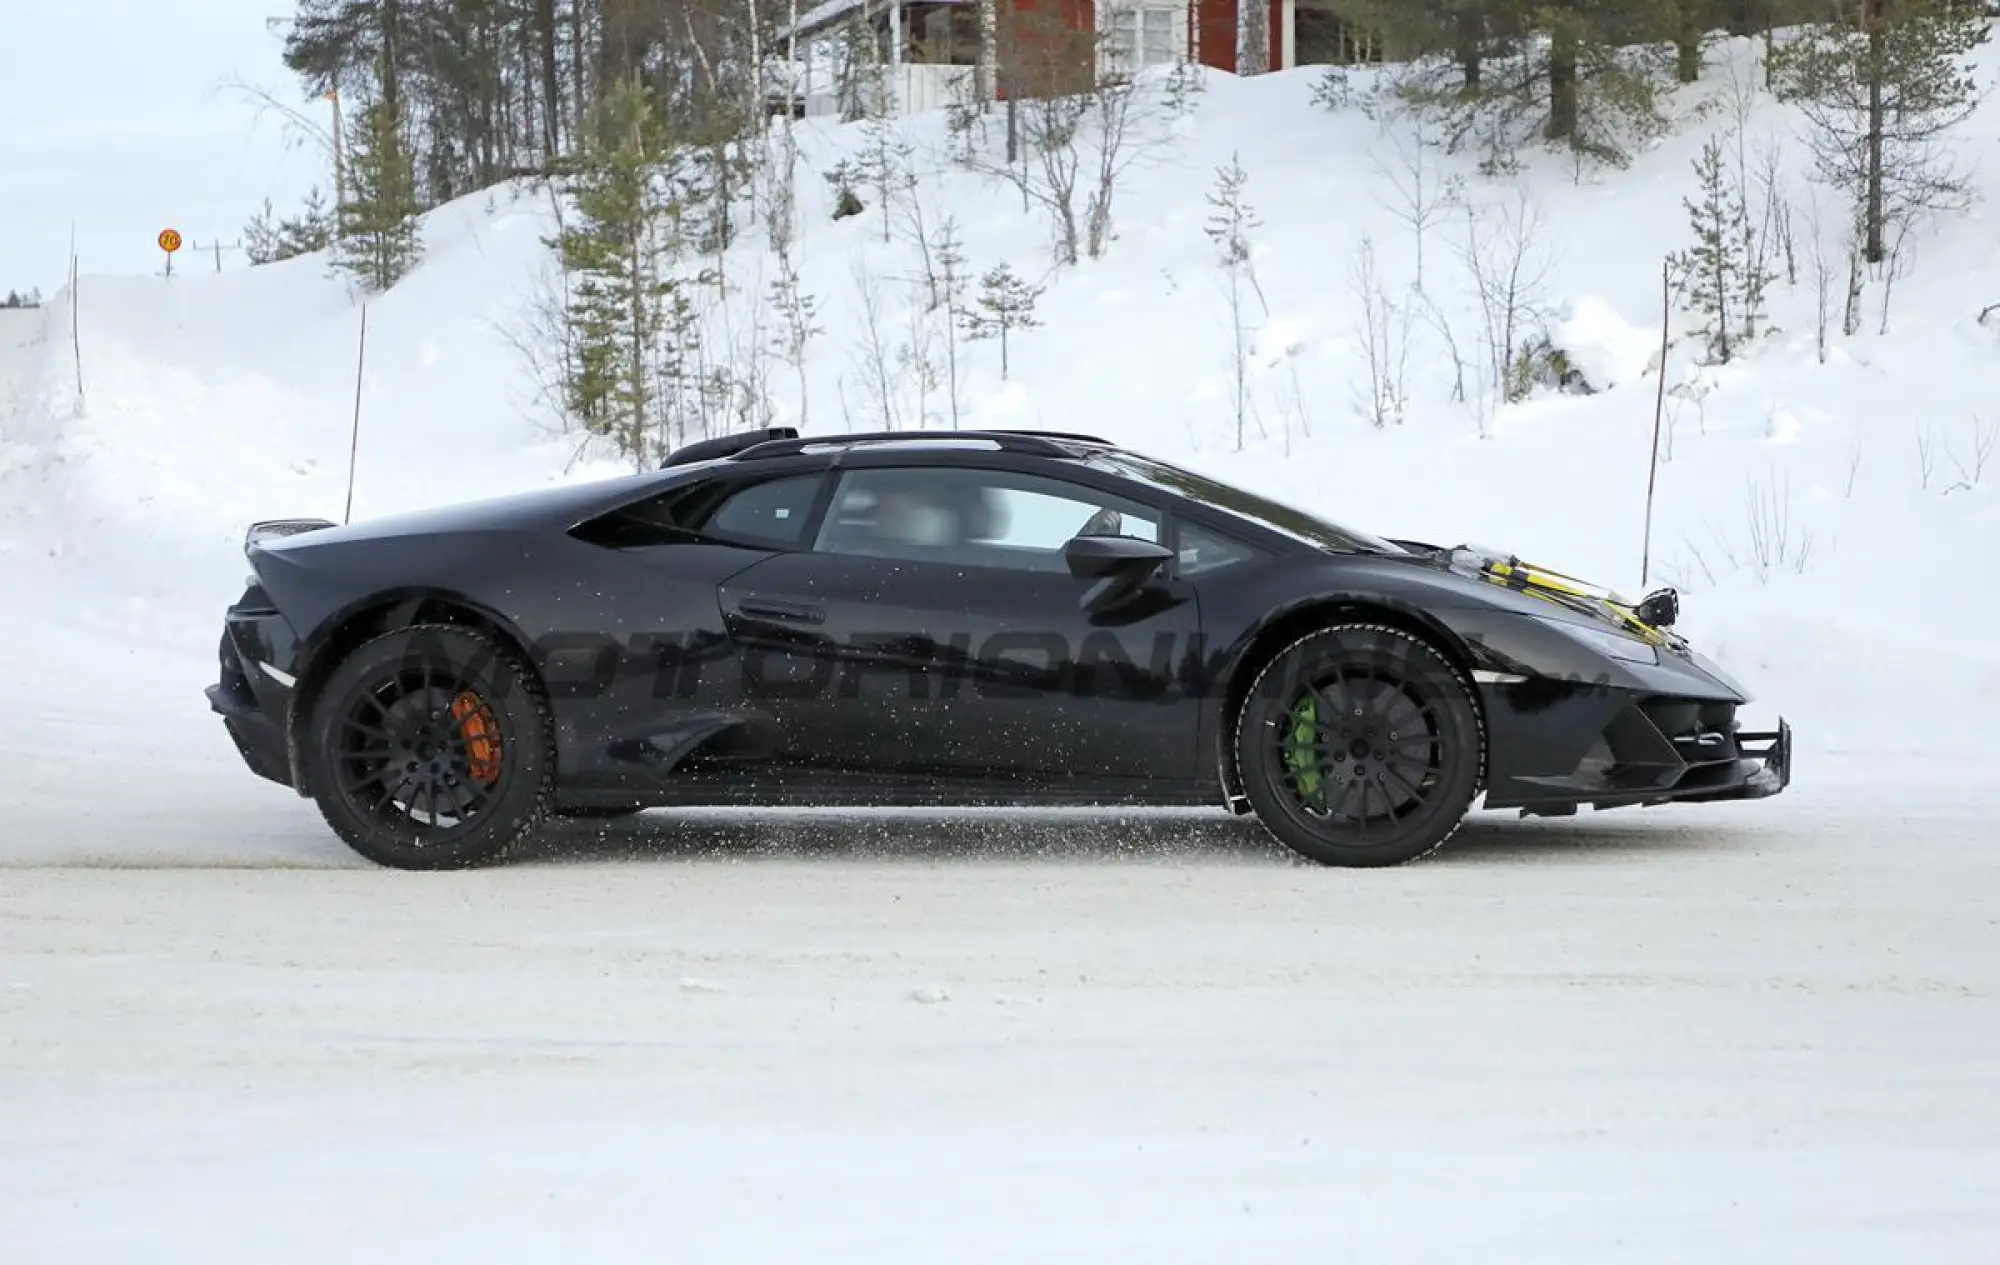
431 748
1360 745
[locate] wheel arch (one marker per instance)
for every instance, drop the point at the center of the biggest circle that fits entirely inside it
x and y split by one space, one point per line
1286 626
381 613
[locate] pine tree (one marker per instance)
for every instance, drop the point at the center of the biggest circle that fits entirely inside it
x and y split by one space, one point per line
1005 303
1691 19
841 179
1878 92
268 239
860 85
1725 279
798 314
948 254
310 230
1584 75
260 236
377 217
1231 218
883 166
623 311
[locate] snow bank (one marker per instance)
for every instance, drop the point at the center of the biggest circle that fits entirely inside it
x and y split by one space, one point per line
1603 346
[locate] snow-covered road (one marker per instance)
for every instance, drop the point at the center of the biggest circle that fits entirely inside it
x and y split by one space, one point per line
1757 1034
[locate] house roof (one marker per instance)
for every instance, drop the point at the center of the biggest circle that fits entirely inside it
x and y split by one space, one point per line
821 16
831 13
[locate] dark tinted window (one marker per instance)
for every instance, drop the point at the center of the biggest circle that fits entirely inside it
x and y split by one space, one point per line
974 518
772 512
1267 513
1202 550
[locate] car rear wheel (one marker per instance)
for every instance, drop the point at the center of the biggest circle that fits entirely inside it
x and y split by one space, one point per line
431 748
1360 745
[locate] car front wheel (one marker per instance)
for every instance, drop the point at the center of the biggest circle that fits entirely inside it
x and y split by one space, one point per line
431 748
1360 745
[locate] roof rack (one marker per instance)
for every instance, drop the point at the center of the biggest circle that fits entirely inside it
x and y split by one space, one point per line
727 445
1031 443
1070 435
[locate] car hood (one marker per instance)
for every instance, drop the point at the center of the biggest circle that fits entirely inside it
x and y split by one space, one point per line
1580 600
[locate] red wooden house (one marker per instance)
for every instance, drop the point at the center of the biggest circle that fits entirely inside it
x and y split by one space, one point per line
934 50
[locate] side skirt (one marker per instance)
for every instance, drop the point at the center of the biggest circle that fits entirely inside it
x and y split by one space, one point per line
767 786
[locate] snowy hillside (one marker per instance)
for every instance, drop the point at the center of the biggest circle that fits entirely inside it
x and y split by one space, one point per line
1749 1033
1812 511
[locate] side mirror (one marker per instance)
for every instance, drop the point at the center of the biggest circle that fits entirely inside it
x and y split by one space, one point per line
1095 557
1121 565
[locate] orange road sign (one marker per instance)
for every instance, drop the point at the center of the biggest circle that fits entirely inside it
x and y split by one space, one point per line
170 240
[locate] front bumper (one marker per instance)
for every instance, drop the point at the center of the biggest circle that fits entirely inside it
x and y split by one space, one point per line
1765 767
1641 751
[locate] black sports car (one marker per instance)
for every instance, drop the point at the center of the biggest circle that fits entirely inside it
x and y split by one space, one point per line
994 618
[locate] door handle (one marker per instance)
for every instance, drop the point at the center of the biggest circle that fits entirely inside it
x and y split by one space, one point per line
790 612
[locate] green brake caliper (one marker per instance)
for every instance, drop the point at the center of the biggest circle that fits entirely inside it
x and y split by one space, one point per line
1302 754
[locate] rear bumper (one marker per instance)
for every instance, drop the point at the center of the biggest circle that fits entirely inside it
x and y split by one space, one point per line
258 738
253 691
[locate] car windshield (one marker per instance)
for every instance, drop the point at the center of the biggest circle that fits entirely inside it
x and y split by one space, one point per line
1274 515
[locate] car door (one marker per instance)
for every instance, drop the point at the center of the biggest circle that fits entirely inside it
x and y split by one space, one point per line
647 595
935 628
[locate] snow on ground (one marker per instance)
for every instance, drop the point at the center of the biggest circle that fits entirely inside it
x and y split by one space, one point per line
20 341
1735 1036
1757 1033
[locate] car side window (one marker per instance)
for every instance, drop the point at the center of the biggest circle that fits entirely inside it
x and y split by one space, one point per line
980 518
769 514
772 512
1201 550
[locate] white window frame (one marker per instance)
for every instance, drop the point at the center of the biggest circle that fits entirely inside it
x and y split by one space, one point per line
1163 22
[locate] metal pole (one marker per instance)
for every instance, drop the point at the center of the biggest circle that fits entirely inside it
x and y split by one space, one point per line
354 435
75 302
1659 407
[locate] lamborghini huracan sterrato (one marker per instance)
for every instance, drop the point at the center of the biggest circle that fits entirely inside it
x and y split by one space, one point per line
990 618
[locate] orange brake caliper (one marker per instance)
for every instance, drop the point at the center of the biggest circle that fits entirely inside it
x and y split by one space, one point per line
482 737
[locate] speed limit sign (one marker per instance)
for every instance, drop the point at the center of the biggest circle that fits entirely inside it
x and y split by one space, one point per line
170 240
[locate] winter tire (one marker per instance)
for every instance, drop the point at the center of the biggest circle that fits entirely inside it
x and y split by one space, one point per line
431 748
1360 745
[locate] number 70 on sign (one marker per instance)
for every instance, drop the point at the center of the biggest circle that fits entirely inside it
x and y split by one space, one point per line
170 241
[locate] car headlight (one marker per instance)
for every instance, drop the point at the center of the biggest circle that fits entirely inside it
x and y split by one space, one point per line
1612 645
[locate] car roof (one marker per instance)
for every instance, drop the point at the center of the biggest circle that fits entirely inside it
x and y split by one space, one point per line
783 441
